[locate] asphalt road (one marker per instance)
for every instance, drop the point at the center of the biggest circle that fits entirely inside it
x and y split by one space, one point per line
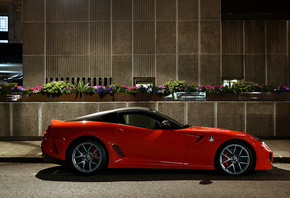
49 180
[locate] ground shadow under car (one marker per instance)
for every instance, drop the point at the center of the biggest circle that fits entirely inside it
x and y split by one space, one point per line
59 173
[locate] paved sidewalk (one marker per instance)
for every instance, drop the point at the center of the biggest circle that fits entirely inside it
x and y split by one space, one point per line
30 151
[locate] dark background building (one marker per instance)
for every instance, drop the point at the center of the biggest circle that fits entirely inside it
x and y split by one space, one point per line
200 41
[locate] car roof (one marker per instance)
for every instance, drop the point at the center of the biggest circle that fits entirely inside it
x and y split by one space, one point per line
97 116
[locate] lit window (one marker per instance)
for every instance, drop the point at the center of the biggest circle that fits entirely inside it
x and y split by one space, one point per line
144 81
4 29
3 23
229 83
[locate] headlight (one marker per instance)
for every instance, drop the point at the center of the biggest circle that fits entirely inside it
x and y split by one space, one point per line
266 146
263 144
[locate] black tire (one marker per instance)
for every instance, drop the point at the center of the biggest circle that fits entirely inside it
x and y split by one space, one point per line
234 158
87 157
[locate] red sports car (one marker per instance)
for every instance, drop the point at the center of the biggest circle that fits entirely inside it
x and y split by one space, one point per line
143 138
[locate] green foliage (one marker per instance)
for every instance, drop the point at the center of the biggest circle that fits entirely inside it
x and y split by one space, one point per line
81 87
243 86
5 89
57 87
174 86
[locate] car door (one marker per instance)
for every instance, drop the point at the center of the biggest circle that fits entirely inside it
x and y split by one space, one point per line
142 139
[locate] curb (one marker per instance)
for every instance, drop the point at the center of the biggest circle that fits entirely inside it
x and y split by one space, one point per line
22 159
281 159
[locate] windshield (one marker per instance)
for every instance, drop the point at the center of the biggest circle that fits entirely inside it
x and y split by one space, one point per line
178 124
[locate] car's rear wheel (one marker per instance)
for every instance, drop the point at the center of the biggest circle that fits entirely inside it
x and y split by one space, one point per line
234 158
87 157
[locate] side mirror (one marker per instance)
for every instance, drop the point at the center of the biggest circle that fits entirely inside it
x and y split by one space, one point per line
166 124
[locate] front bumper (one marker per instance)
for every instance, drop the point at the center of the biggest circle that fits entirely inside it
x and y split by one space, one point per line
264 158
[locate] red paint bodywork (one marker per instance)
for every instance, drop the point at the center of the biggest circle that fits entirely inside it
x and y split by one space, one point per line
150 148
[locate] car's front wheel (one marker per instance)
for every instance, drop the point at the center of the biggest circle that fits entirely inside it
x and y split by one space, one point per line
87 157
234 158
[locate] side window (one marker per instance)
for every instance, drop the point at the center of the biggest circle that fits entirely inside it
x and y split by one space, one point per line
113 118
141 120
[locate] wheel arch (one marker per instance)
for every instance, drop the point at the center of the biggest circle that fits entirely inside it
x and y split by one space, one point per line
83 138
236 140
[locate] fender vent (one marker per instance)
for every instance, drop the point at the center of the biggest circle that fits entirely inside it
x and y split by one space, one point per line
116 148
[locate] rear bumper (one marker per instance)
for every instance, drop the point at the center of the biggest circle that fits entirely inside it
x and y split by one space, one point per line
50 159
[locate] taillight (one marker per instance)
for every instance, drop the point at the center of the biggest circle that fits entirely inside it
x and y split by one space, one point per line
49 126
46 131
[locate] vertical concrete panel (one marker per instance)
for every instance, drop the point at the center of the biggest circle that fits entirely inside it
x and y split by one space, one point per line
67 66
73 10
33 71
67 38
210 37
255 37
122 9
100 49
187 9
5 119
33 39
144 38
283 119
100 38
122 70
65 111
174 110
255 68
231 115
100 10
233 66
144 65
188 68
166 10
277 65
165 37
122 38
100 66
188 37
25 119
276 37
166 68
105 106
33 10
210 70
232 37
260 118
143 10
201 114
210 9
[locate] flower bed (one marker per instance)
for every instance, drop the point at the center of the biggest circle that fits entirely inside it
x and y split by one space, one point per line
62 91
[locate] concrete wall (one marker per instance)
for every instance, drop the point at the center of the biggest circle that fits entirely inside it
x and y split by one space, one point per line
122 39
256 51
263 119
165 39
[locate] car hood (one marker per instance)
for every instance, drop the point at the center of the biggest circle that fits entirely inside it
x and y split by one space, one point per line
211 130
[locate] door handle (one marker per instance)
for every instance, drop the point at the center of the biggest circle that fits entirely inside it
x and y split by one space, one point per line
120 130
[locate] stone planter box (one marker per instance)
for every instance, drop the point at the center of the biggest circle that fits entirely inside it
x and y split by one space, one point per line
132 97
77 97
248 96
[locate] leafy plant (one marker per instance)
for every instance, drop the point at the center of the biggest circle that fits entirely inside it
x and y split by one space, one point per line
5 89
57 87
17 89
243 86
81 87
175 86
